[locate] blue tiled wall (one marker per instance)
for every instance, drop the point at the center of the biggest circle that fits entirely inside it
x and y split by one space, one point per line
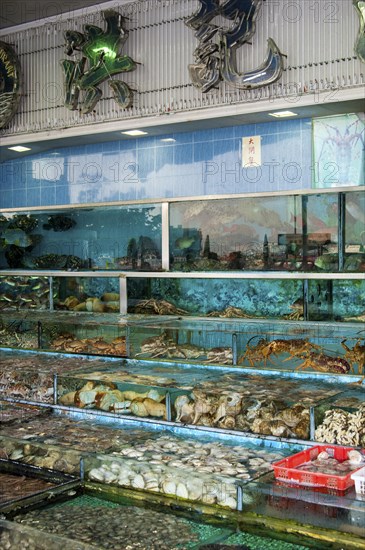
196 163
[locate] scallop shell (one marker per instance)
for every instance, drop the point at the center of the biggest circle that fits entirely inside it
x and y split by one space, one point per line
355 457
323 456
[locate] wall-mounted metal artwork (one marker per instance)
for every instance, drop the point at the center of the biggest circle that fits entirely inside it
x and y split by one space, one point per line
100 60
10 81
216 53
360 41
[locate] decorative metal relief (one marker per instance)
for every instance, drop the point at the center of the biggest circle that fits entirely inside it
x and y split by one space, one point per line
10 81
360 41
100 60
216 54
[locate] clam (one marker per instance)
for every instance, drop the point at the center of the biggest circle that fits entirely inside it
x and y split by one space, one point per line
96 474
138 482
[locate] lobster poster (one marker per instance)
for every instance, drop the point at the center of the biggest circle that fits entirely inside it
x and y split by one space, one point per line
338 151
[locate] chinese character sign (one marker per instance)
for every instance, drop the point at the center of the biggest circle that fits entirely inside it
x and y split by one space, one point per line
99 62
215 55
251 151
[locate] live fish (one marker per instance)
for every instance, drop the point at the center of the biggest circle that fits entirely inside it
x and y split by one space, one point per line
184 242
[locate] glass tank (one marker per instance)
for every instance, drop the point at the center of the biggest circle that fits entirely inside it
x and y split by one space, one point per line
282 299
284 346
120 391
186 467
285 233
114 237
316 507
24 293
78 333
92 294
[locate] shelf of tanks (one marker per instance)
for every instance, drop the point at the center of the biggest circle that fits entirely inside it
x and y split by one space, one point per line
291 404
307 232
178 467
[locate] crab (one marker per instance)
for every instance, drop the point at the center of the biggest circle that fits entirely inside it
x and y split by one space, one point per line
355 355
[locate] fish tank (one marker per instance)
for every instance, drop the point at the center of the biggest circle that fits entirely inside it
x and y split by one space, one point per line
119 519
79 333
340 419
108 238
118 390
186 468
91 294
24 293
268 233
260 299
83 334
318 507
262 345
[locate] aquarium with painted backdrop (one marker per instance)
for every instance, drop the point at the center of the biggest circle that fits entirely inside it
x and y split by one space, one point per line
92 294
114 237
24 293
282 299
277 233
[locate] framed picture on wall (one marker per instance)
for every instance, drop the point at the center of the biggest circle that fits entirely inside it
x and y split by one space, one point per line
338 151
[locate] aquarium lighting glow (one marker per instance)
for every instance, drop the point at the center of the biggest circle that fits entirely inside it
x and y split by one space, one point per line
134 133
19 148
283 114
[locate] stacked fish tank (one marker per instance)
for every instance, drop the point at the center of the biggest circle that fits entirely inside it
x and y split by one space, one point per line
229 334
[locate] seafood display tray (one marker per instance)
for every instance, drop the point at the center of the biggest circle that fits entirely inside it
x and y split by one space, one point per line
178 462
24 485
287 470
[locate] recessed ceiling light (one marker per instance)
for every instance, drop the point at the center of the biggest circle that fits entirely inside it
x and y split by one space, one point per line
283 114
19 148
168 140
135 133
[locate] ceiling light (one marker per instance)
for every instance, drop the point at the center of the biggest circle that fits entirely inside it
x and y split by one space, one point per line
168 140
135 133
283 114
19 148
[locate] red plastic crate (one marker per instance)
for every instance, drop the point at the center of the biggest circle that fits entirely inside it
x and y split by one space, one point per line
286 469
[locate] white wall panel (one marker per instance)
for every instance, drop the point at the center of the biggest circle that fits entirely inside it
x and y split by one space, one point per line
317 37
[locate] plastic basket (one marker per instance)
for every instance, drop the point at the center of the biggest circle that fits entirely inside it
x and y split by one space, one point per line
359 479
287 469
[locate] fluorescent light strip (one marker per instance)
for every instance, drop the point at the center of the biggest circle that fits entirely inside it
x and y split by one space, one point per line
134 133
283 114
19 148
